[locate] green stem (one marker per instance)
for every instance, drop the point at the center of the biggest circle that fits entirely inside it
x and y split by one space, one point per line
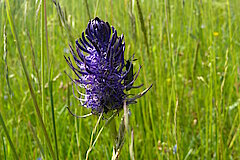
42 56
99 133
53 117
8 137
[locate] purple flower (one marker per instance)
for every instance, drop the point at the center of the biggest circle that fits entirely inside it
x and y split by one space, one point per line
175 149
101 69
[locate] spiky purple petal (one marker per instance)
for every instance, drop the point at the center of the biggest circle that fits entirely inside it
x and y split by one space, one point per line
100 68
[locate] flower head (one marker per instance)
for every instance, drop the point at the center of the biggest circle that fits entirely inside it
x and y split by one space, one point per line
101 69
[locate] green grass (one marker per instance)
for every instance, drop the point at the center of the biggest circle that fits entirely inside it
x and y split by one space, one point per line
189 51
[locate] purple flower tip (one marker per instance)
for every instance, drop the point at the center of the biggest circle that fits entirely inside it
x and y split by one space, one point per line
101 69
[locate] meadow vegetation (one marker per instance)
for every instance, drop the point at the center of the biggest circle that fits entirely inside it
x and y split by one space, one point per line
189 50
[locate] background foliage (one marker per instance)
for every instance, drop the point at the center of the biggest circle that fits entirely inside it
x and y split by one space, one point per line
189 51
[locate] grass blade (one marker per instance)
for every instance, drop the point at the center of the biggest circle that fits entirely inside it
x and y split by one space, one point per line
46 33
27 77
96 8
143 26
42 56
4 149
53 117
5 59
87 7
131 146
33 58
63 18
36 138
8 137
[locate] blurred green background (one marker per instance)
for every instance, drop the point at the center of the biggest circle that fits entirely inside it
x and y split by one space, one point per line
189 50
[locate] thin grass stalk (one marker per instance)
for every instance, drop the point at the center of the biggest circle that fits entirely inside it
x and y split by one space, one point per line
223 84
230 28
70 149
63 19
200 21
51 95
4 149
92 143
144 108
189 24
131 146
111 12
91 139
2 62
2 17
8 137
105 124
77 136
194 67
80 130
153 75
233 130
42 57
119 139
133 21
27 77
126 115
34 59
42 63
53 115
221 110
88 11
36 139
159 58
169 61
188 154
46 34
120 136
30 141
96 8
234 137
213 98
235 57
176 128
53 32
150 35
5 59
143 28
195 60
